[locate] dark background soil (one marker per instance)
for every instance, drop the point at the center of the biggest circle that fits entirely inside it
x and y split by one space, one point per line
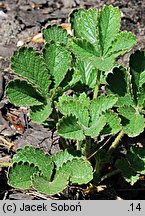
21 19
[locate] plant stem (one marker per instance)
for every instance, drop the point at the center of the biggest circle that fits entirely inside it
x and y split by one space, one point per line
99 148
78 144
5 143
88 147
96 90
55 114
116 142
108 175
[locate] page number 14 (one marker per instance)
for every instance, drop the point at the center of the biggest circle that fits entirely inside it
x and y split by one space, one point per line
135 207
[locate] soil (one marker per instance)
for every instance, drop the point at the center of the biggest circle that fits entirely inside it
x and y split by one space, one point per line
20 20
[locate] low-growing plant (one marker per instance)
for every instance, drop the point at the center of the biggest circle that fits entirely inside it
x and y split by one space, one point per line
82 63
46 174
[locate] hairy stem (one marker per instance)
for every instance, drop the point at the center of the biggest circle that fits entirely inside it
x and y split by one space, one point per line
110 175
55 114
78 144
116 142
88 147
96 90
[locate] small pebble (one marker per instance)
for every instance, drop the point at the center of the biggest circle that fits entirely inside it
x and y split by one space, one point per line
3 15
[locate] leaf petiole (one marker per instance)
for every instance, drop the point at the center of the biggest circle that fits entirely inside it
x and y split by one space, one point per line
96 90
116 141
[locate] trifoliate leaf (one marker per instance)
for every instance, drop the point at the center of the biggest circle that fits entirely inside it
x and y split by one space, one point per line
27 63
21 93
119 86
132 165
37 157
20 175
98 37
132 121
40 113
58 60
69 128
55 33
33 168
77 170
86 52
74 106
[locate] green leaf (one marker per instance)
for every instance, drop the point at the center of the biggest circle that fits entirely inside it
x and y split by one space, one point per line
100 105
142 79
20 175
33 168
85 51
119 86
98 37
141 98
21 93
128 173
140 152
87 72
113 123
63 157
81 171
70 81
77 170
132 165
58 60
74 105
109 25
95 129
137 70
27 63
69 128
85 26
56 186
37 157
40 113
55 33
123 43
132 121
